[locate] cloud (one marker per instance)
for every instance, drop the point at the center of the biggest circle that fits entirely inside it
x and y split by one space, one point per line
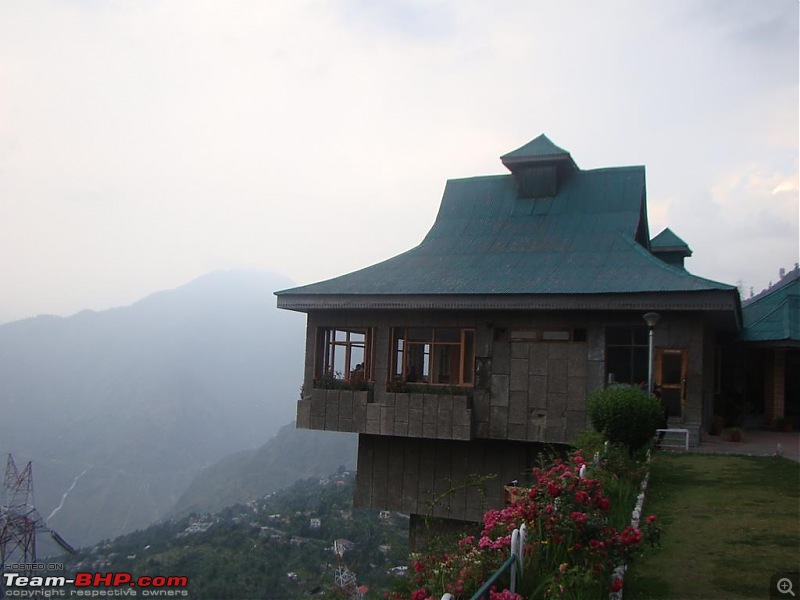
143 144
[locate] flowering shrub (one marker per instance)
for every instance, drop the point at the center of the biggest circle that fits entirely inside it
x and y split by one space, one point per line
571 548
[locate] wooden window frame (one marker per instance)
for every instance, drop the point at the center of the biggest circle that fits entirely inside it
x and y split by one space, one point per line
327 345
466 374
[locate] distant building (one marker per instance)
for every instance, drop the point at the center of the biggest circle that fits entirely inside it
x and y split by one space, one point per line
315 523
466 354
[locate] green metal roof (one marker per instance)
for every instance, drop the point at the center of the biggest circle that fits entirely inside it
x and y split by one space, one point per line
589 238
538 150
668 241
774 315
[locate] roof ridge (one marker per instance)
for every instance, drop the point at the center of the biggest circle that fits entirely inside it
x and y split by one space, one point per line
788 279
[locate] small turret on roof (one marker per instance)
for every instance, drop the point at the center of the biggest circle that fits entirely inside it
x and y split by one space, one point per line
539 167
670 248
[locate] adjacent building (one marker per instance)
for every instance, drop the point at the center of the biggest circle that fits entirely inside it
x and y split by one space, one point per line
463 356
761 367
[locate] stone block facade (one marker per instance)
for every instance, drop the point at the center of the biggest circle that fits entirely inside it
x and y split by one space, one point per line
526 394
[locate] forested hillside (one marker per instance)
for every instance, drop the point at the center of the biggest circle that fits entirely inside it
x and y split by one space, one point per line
278 546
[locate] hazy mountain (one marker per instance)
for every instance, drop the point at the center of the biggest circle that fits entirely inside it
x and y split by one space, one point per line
128 404
291 455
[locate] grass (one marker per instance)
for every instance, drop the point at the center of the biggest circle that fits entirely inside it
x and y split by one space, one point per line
729 523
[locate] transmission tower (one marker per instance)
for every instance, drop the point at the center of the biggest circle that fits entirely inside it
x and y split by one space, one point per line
19 519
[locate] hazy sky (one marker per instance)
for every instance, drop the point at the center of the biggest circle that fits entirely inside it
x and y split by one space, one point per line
145 143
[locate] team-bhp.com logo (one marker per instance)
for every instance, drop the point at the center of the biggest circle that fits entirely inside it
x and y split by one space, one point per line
93 584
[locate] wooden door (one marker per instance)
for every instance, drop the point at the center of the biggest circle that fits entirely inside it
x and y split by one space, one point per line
671 379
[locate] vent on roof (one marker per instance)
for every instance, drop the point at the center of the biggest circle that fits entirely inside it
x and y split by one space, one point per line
538 167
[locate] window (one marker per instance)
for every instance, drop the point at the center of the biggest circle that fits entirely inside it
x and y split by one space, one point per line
433 355
626 354
548 335
344 353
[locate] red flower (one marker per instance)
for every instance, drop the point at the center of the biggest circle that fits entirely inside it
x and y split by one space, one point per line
616 584
651 519
420 594
579 517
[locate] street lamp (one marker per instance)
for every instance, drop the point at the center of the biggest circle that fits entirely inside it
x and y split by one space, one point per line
651 319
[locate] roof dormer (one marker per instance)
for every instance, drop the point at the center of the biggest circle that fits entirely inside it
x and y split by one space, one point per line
539 167
670 248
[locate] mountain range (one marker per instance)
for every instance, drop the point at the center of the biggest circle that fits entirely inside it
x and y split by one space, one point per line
120 409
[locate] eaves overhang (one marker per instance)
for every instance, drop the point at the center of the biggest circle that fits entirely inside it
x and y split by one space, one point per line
721 305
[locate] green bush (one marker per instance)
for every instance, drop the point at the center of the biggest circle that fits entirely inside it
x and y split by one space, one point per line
625 415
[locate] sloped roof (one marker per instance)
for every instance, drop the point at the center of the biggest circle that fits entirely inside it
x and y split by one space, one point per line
668 241
590 238
774 314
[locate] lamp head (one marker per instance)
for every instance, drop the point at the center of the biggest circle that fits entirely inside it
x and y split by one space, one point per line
651 319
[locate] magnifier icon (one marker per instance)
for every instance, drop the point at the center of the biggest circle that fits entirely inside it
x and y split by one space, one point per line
784 586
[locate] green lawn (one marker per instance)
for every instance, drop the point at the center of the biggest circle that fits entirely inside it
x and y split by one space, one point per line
729 523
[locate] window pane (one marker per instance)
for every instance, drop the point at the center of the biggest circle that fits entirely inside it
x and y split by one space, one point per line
618 336
618 365
420 334
469 356
416 362
399 348
446 360
671 368
641 336
640 369
357 337
524 334
356 357
559 336
337 361
448 335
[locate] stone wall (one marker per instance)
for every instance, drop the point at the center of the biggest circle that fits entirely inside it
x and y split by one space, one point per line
438 477
433 416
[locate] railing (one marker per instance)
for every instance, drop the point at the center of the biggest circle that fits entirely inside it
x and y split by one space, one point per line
513 565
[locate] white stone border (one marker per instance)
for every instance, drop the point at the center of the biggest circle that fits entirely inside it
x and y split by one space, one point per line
636 515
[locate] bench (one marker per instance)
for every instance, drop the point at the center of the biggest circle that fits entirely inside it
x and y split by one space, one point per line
667 437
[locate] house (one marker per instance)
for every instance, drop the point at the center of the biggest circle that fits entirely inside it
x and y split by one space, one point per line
315 523
761 367
462 357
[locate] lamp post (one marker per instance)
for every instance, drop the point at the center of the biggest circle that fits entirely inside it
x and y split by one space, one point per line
651 319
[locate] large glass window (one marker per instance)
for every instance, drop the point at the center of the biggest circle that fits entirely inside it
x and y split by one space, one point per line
344 354
433 355
626 355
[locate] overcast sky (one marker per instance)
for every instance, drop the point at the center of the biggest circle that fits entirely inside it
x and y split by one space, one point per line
143 144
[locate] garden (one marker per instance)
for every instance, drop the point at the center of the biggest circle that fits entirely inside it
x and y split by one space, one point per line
577 513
